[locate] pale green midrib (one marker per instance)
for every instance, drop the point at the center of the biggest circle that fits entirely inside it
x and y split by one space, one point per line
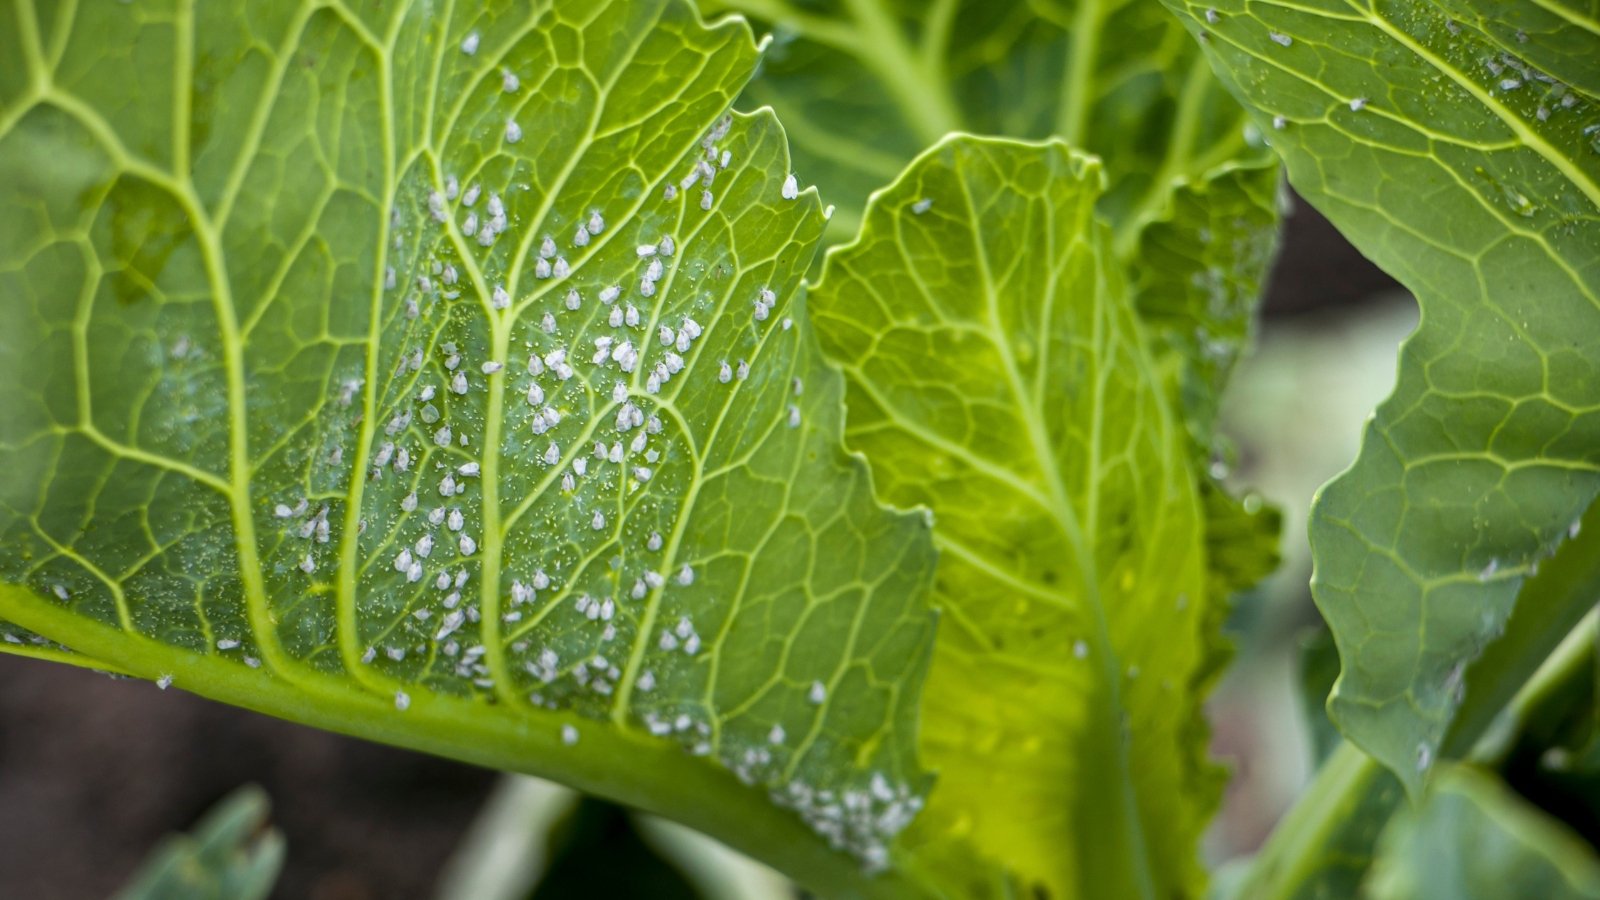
1066 514
1530 138
182 81
64 657
345 596
32 50
621 765
925 101
1077 95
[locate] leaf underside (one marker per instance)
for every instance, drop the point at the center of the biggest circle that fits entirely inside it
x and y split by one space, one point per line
321 400
1450 157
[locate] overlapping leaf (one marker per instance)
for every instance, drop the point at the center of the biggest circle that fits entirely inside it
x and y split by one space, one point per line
1473 838
865 85
998 375
438 373
1451 158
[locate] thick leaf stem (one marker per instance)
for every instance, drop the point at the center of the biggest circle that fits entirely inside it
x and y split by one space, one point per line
626 766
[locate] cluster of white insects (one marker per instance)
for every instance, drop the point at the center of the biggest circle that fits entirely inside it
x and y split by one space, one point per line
587 343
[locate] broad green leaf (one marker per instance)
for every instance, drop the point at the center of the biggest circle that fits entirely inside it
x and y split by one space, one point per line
1472 837
998 375
865 85
1325 844
1478 186
231 855
306 408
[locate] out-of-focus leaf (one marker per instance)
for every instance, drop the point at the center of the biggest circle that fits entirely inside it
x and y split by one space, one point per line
998 375
378 366
1319 668
1472 838
866 85
1474 180
230 855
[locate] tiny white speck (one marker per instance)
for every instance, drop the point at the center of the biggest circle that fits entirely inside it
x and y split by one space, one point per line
1282 40
307 565
1358 103
1080 649
509 82
776 735
791 187
164 682
706 199
818 693
491 367
1279 122
402 700
922 206
598 522
569 735
227 644
1212 17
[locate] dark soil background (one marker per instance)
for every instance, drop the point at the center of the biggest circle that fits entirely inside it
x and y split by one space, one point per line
94 771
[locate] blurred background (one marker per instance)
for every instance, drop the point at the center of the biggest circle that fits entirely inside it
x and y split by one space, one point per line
95 771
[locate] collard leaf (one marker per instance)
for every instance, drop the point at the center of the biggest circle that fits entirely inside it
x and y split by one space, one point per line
865 85
998 375
1476 181
1472 837
378 366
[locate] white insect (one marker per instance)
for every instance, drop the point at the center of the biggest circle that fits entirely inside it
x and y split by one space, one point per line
791 187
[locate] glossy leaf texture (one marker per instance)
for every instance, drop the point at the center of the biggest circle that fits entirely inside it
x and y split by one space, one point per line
1456 163
866 85
1473 838
439 373
998 375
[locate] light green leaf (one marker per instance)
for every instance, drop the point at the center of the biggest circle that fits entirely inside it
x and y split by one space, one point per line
255 442
1472 837
232 855
1479 189
998 375
865 85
